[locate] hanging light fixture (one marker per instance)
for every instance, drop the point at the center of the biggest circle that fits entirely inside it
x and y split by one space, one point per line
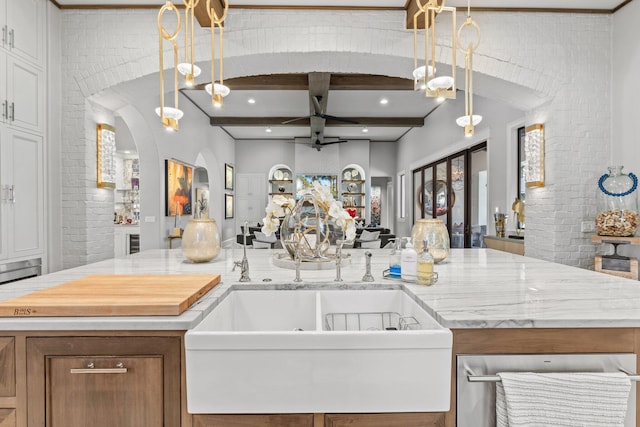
188 68
217 90
169 115
425 76
469 120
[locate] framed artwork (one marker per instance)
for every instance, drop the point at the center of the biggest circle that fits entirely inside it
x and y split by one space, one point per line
228 206
178 184
202 202
228 176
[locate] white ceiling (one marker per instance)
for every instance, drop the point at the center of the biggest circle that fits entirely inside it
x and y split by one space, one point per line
551 4
295 103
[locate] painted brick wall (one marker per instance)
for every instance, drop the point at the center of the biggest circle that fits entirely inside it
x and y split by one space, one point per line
560 57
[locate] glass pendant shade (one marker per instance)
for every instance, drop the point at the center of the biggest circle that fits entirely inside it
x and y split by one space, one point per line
170 116
184 68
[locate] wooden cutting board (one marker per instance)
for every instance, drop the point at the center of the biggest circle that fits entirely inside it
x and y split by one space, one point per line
114 295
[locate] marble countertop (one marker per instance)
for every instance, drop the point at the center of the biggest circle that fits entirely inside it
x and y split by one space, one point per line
477 288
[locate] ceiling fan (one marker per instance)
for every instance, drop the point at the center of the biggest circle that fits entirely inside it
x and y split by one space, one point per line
316 99
318 143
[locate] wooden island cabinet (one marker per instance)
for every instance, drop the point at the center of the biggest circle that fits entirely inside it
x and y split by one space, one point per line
121 378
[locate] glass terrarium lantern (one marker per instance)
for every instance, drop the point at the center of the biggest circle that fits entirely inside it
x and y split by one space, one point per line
617 204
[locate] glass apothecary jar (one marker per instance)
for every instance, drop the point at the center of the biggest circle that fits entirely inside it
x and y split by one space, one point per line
201 240
617 201
436 232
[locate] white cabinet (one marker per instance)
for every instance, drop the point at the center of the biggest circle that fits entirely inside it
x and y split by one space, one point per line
21 94
23 28
22 194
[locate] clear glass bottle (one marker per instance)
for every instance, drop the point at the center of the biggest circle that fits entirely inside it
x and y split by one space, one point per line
425 273
395 259
617 204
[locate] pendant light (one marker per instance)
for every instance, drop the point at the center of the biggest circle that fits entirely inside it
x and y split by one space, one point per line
469 120
169 116
425 76
188 69
217 90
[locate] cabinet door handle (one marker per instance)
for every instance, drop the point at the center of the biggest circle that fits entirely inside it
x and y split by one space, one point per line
5 112
13 193
12 112
90 369
4 35
11 40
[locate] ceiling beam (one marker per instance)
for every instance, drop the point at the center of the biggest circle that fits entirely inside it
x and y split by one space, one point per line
266 82
369 82
277 121
301 82
200 12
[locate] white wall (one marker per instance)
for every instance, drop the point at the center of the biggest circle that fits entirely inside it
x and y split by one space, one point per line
625 95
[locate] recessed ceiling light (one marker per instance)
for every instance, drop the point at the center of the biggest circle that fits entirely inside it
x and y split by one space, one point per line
268 130
384 101
365 129
126 151
251 101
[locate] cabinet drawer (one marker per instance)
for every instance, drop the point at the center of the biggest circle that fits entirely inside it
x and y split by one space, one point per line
7 368
417 419
105 391
103 381
270 420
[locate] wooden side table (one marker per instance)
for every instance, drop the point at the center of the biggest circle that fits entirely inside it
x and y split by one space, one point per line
615 264
171 238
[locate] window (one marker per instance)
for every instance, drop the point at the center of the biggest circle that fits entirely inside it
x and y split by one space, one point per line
521 164
402 213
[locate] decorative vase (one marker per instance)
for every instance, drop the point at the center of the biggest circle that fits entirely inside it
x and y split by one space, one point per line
617 204
437 235
201 240
309 229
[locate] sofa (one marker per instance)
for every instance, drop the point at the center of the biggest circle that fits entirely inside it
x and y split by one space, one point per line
372 236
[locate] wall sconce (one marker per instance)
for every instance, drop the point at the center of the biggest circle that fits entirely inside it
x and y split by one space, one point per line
534 155
106 151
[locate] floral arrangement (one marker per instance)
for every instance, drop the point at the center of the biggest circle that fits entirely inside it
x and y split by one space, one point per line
279 205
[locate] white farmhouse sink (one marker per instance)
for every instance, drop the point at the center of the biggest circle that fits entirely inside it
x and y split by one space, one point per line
270 351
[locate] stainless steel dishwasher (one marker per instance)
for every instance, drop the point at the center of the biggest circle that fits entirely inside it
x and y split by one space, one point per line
475 403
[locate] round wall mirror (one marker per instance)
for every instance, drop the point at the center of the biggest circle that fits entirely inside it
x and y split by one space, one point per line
441 198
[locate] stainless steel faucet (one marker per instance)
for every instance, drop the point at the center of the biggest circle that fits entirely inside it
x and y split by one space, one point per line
244 264
339 244
367 275
298 261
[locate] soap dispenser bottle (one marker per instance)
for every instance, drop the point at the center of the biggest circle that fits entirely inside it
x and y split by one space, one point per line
395 259
425 274
409 263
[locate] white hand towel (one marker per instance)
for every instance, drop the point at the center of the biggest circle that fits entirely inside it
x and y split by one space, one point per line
561 399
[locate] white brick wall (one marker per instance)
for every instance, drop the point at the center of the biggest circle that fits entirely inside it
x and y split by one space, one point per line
559 56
